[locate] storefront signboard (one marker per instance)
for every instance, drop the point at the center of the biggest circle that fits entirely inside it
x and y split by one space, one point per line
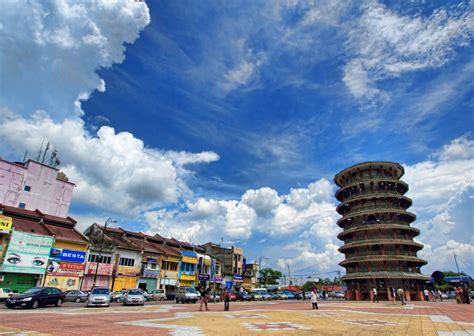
27 253
5 224
104 269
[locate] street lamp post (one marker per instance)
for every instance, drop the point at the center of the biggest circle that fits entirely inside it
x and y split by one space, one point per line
99 257
259 267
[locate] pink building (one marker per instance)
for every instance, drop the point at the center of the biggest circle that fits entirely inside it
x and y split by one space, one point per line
33 185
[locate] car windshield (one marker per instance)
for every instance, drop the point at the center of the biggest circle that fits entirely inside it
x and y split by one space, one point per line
100 291
33 290
158 291
135 292
191 290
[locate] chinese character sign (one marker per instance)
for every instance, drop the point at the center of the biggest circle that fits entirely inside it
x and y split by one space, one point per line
27 253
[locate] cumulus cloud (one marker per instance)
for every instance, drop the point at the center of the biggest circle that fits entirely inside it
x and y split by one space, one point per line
50 50
113 171
385 44
260 211
439 188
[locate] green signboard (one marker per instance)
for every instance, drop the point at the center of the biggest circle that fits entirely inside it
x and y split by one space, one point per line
27 253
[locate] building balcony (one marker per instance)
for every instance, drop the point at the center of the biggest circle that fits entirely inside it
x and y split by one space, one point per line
387 225
376 256
378 241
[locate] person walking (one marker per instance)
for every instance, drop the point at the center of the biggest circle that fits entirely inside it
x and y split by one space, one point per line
204 299
393 295
426 294
375 298
440 294
314 298
226 299
401 295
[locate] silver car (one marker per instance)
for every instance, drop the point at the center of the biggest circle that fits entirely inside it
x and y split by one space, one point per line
99 296
134 297
187 294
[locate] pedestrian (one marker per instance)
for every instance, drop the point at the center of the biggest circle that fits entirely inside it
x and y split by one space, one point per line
226 299
393 295
466 298
401 295
304 294
314 298
440 294
434 295
204 299
426 293
375 298
324 295
458 294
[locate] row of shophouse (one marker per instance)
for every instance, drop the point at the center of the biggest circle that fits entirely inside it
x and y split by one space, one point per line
38 249
40 244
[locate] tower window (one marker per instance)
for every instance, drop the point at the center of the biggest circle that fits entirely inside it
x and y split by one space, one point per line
22 205
27 188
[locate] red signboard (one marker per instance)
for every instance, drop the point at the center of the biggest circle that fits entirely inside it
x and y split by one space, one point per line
68 266
104 269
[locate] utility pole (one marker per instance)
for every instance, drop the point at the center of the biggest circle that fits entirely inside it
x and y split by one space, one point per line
289 274
455 260
109 220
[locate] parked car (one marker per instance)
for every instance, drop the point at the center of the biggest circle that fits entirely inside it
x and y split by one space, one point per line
339 295
99 296
75 296
266 296
451 294
232 296
134 297
187 294
444 295
157 295
146 295
472 294
214 297
117 296
5 293
281 296
256 296
290 295
243 296
35 297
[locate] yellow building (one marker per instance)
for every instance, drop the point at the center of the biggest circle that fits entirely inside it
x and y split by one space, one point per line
187 269
66 263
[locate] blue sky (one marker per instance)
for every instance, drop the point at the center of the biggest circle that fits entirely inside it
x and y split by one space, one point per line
229 119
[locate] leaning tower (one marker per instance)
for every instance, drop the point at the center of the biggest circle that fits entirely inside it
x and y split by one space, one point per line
378 240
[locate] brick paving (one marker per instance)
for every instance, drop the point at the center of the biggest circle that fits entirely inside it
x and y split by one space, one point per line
247 318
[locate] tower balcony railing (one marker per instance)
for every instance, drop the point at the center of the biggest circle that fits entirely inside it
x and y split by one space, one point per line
382 257
375 210
355 182
382 225
386 275
382 269
373 194
380 241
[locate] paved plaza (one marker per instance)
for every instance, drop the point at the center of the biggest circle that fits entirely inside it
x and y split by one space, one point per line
247 318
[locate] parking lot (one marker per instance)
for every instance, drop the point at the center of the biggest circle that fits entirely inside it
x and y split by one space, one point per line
287 317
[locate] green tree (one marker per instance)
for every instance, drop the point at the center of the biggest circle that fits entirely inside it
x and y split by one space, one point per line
270 276
309 285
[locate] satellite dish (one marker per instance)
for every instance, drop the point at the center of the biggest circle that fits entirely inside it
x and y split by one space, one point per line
437 276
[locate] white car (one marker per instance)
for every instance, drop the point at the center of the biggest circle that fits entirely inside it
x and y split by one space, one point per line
5 293
157 295
134 297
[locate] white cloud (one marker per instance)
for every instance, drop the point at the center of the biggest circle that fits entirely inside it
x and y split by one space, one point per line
50 51
386 44
308 259
113 171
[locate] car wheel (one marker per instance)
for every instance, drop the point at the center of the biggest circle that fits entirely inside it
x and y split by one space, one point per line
35 304
118 300
78 300
162 299
59 303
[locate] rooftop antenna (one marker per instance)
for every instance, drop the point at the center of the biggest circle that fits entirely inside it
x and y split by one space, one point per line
24 157
45 151
41 149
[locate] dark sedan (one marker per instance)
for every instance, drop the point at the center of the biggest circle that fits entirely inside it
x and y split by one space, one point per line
35 297
75 296
243 296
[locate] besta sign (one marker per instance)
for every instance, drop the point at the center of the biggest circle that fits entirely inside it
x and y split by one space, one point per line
73 256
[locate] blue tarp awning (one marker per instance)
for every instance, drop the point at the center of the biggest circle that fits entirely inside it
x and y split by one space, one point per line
189 254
